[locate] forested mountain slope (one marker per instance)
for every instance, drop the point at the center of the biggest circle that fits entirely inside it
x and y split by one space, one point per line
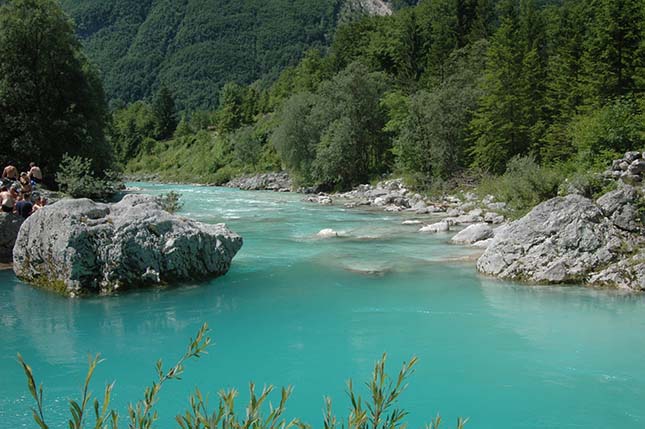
195 46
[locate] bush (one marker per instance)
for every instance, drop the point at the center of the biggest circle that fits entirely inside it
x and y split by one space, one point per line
524 185
171 202
605 134
76 178
585 183
381 412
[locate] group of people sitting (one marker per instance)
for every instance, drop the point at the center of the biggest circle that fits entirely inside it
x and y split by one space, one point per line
18 193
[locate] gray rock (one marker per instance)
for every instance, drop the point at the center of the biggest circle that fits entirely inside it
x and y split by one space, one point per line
483 244
322 199
454 212
619 206
279 182
468 219
626 274
473 234
442 226
496 206
79 246
637 167
632 156
327 233
494 218
411 222
9 227
420 205
565 239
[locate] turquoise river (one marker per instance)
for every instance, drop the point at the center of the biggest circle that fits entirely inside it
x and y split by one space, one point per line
296 310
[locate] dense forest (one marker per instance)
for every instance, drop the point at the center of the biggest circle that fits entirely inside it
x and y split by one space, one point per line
443 89
196 46
441 92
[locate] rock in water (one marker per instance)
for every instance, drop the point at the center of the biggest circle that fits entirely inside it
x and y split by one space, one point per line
473 234
9 227
571 239
79 246
327 233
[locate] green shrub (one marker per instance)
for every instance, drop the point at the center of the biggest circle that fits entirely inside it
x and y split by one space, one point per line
171 202
380 412
586 183
605 134
524 184
76 178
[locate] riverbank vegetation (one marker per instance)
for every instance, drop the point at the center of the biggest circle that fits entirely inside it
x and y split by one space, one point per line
380 410
494 91
442 93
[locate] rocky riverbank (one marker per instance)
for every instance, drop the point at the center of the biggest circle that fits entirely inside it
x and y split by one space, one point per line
79 246
279 182
573 239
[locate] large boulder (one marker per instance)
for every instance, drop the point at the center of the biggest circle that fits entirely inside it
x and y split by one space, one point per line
9 227
79 246
572 239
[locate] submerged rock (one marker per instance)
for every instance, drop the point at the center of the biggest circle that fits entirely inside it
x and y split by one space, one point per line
327 233
9 227
79 246
442 226
572 239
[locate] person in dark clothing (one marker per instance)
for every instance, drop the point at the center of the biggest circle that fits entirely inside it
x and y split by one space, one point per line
24 206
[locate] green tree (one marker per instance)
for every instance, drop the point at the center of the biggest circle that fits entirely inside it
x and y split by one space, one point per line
247 146
165 113
614 58
231 113
603 134
51 98
130 127
297 135
353 119
433 139
564 91
508 121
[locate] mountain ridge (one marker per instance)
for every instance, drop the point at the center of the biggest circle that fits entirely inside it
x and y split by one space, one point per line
195 46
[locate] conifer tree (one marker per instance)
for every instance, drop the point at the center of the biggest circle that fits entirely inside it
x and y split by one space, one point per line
614 56
164 110
509 120
564 88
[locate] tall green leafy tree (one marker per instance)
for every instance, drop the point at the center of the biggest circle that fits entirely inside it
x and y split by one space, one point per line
131 126
353 145
51 98
297 135
165 113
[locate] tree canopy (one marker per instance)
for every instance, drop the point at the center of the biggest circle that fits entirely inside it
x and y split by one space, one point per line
51 98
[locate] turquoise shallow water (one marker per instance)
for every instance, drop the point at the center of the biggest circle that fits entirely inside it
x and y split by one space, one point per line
311 313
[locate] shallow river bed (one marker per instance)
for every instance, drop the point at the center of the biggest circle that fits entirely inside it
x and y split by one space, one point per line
302 311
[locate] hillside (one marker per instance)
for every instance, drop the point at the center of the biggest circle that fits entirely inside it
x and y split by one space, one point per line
195 46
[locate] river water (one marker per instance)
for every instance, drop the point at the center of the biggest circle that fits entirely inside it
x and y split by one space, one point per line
297 310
